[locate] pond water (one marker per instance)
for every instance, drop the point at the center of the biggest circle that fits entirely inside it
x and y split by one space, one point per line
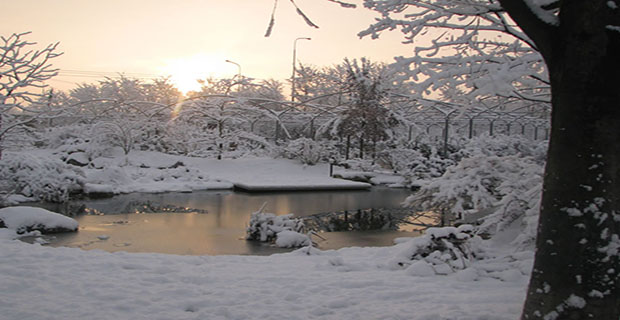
213 222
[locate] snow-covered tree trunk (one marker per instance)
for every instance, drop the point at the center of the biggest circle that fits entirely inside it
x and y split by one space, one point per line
577 267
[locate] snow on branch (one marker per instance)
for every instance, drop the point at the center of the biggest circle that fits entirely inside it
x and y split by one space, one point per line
548 16
463 49
23 71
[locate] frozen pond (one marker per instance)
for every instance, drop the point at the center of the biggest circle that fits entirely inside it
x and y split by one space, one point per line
215 221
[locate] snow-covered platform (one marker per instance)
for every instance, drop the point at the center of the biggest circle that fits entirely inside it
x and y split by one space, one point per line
315 186
266 174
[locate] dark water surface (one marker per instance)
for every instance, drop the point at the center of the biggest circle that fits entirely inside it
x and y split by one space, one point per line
214 222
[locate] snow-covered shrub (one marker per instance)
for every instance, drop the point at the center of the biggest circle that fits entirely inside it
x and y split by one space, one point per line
367 165
249 144
58 136
519 207
425 168
477 183
20 137
111 175
439 251
78 145
366 219
305 150
284 230
46 179
119 133
77 152
415 162
503 145
187 139
507 187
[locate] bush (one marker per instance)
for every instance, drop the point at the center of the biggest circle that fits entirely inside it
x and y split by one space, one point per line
415 163
284 231
305 150
502 145
506 189
439 251
45 179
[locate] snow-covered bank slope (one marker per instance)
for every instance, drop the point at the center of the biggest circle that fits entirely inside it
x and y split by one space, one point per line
62 283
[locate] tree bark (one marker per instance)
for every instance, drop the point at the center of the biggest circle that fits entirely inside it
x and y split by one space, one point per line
361 148
348 147
576 271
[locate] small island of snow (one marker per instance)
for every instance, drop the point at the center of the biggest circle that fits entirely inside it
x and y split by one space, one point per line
25 219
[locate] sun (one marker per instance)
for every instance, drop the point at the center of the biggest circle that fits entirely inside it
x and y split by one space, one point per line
185 72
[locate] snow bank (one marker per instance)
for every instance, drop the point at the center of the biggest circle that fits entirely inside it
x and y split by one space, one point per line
26 219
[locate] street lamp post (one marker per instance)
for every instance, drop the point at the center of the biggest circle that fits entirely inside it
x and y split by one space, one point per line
238 74
294 70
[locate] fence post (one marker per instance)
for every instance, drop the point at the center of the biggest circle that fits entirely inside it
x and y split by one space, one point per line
445 136
277 133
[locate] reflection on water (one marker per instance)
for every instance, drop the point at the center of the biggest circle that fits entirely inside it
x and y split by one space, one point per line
221 229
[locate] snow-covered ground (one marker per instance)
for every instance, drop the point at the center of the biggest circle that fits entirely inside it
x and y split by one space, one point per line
39 282
353 283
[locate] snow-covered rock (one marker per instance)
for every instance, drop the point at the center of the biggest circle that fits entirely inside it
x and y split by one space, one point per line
79 159
421 268
292 239
26 219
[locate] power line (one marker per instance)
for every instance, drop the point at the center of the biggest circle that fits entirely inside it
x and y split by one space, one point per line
103 76
58 80
107 72
72 73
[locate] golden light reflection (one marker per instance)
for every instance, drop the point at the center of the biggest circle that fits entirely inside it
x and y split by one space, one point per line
93 229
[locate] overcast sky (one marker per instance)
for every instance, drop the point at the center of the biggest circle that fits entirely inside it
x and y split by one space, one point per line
190 39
